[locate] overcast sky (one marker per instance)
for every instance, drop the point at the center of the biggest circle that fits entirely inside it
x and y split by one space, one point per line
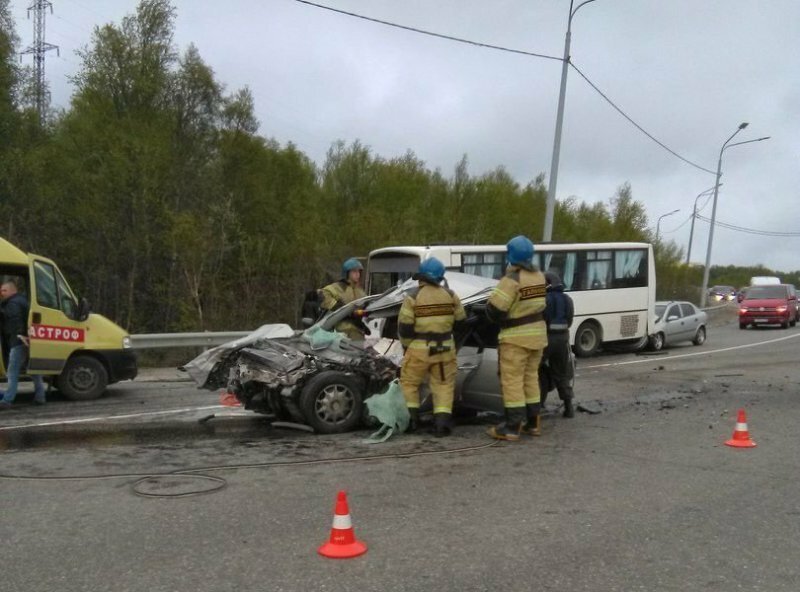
687 71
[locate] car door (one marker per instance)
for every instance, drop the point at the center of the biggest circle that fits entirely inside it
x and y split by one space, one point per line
691 319
673 328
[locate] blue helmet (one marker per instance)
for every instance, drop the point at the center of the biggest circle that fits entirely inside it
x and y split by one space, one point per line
350 265
431 270
520 251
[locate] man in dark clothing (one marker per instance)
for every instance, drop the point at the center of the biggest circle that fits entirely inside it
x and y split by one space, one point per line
15 341
556 369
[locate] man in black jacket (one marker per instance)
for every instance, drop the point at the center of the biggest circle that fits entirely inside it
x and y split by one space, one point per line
15 311
556 369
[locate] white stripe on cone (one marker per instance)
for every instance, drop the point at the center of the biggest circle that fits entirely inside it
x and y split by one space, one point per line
741 427
342 522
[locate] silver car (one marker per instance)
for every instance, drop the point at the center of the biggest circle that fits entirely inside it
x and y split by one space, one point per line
298 376
677 322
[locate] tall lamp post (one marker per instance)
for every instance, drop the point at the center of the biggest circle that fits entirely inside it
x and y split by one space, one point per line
550 208
726 145
694 216
658 224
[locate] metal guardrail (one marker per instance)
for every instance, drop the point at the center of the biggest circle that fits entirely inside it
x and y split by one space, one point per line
213 338
200 339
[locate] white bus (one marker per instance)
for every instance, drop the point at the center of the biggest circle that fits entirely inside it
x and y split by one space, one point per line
613 285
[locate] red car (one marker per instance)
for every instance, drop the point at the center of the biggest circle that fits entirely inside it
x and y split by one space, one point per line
769 305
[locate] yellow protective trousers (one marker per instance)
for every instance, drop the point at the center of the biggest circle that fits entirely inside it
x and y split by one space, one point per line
519 375
441 373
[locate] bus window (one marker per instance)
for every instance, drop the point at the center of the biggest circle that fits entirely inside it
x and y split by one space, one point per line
598 270
630 269
489 265
564 264
389 270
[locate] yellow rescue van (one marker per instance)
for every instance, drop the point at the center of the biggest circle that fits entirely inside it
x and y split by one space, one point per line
80 351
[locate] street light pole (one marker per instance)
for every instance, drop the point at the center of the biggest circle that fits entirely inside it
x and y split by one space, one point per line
658 224
694 215
714 208
550 208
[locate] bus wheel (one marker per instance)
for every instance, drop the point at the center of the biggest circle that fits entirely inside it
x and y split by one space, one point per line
587 340
83 379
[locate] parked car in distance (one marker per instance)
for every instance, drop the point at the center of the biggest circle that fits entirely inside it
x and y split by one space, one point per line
722 293
676 322
769 305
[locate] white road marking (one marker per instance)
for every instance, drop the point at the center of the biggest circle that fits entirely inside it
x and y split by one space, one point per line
110 417
700 353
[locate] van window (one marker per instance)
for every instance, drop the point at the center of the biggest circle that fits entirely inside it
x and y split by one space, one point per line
46 290
68 304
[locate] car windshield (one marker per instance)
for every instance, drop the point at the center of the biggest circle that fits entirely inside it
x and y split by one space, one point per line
760 292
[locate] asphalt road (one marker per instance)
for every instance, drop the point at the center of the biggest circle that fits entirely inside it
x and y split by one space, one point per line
642 496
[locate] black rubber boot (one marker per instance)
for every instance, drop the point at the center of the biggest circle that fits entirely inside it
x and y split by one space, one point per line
443 425
533 426
510 429
569 409
413 421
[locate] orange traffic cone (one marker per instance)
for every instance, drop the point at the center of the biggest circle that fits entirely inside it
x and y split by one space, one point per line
741 437
229 400
343 543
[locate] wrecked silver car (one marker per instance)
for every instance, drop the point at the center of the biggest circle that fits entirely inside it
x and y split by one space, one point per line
321 378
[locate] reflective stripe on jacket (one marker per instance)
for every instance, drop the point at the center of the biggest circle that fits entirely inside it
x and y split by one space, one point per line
559 311
516 304
426 319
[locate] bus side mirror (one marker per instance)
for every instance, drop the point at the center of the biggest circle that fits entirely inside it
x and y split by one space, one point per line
83 309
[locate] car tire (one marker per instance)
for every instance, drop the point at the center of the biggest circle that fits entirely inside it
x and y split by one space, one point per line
743 325
700 336
793 322
587 340
785 325
657 342
332 402
84 378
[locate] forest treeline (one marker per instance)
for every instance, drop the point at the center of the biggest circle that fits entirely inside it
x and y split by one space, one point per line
163 205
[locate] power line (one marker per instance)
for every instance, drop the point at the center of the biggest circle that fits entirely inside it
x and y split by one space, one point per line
517 51
430 33
748 230
636 125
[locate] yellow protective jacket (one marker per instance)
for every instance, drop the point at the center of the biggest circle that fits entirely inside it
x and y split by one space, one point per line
338 294
426 320
517 304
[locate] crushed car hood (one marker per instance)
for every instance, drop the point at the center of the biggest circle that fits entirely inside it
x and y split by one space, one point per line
199 368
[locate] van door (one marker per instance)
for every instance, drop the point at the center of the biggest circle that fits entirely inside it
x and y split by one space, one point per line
52 326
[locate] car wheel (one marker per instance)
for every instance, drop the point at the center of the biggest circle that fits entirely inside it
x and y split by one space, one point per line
743 325
331 402
785 325
657 342
700 336
84 378
587 340
793 322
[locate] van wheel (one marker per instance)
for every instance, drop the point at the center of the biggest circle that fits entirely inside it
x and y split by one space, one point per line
332 402
83 379
587 340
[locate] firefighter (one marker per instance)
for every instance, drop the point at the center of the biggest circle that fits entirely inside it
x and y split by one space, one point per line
556 368
425 327
344 291
517 305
